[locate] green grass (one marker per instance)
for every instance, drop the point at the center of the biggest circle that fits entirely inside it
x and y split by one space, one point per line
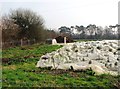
20 71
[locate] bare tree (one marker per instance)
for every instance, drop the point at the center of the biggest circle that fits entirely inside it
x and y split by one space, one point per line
9 29
31 25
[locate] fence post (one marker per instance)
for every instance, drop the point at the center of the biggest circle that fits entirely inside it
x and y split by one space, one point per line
28 42
34 41
64 40
21 41
2 45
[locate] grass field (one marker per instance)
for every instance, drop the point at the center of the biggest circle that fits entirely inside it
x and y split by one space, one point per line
19 71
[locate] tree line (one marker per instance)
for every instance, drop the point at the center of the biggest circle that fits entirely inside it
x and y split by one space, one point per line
91 32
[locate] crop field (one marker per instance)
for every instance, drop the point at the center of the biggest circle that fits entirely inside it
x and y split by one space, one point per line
19 70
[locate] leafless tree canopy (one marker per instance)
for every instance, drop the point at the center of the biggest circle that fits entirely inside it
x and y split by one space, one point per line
22 24
30 23
9 29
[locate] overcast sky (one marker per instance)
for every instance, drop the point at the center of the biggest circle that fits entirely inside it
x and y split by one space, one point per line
58 13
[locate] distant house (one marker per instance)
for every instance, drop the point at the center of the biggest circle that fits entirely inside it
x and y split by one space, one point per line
60 39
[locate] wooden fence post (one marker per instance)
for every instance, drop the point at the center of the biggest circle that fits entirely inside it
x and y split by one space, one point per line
34 41
21 41
64 40
28 42
2 45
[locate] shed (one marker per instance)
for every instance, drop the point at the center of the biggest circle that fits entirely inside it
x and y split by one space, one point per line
60 39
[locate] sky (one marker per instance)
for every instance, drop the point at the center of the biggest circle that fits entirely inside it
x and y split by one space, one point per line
57 13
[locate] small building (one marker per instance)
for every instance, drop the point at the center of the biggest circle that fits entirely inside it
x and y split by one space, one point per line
60 39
